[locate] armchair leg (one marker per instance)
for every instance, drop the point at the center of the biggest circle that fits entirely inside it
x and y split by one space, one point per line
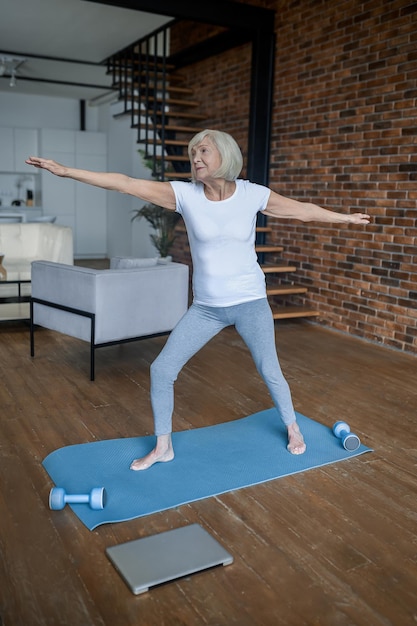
92 362
92 346
61 307
32 329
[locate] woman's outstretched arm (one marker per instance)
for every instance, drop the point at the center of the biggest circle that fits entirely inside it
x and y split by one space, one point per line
159 193
282 207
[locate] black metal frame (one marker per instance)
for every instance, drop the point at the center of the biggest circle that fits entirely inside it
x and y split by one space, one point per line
17 299
92 317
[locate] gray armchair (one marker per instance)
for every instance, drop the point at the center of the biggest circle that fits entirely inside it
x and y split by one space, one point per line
107 307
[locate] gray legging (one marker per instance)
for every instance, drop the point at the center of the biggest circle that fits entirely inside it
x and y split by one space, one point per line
254 323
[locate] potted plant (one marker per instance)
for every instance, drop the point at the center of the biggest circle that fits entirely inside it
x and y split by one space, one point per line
163 222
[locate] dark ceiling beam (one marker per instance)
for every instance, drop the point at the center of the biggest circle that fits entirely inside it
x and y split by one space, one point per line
210 47
220 12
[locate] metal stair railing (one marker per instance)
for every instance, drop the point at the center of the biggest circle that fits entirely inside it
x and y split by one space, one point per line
141 73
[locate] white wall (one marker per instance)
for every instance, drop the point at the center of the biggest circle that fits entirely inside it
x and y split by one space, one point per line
28 111
125 238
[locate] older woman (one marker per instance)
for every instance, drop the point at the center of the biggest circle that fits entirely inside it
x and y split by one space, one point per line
219 211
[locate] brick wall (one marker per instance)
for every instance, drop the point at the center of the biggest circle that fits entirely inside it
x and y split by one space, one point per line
343 136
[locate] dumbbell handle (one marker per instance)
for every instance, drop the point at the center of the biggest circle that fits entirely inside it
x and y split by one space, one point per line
81 498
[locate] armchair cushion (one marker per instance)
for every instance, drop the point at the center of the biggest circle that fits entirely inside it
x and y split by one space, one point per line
127 262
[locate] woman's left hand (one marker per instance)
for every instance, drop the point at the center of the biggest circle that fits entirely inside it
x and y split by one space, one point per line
358 218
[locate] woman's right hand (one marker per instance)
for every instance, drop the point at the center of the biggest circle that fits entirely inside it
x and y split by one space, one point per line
47 164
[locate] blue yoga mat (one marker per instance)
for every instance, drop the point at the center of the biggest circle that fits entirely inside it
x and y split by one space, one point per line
209 461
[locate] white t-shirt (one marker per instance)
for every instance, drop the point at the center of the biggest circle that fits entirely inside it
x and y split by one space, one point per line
222 242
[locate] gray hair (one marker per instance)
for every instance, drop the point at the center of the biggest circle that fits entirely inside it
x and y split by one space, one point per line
230 153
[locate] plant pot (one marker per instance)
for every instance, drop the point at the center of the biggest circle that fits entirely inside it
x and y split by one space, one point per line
3 272
162 260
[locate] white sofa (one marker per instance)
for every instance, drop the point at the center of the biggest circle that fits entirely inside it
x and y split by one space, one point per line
26 242
106 307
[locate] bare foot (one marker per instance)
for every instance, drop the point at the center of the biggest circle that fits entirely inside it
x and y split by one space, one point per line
162 453
296 443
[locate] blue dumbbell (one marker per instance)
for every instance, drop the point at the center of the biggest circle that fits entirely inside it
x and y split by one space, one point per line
350 441
58 498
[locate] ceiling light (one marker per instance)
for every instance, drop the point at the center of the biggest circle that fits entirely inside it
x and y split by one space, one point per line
9 66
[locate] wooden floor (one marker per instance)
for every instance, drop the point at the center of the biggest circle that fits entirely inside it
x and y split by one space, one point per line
334 546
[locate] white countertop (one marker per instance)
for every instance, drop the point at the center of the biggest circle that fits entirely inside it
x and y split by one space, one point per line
19 209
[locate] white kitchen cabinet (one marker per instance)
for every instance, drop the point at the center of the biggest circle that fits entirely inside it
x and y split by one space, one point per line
91 212
90 143
58 194
81 206
25 145
55 140
6 150
16 145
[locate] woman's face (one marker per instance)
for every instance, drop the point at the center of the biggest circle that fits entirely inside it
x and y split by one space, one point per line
205 160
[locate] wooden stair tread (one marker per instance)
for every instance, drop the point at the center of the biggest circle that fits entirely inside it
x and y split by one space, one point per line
174 175
263 229
291 312
174 127
178 114
142 84
171 142
170 157
282 290
268 248
168 101
276 269
169 114
123 62
172 79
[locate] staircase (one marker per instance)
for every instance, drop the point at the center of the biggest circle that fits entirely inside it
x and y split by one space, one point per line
162 110
276 293
166 115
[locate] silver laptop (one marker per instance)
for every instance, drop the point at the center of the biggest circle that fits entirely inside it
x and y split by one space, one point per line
150 561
